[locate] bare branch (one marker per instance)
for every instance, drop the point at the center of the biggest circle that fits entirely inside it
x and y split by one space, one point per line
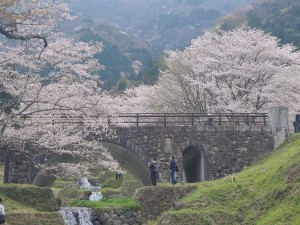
23 37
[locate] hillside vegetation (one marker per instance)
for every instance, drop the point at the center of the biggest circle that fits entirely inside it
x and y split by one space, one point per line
163 24
39 206
280 18
265 193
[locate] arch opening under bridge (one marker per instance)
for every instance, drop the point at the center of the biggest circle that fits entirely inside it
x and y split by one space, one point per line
126 157
194 164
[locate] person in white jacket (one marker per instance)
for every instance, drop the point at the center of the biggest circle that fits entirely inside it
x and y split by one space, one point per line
2 212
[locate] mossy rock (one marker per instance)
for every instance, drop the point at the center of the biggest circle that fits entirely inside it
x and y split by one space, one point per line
129 187
69 191
41 199
189 218
155 200
111 193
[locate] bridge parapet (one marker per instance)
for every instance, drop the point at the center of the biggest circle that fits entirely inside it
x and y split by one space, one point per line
150 119
189 119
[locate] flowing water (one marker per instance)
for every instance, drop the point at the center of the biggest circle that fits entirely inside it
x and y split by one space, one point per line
80 215
96 195
76 215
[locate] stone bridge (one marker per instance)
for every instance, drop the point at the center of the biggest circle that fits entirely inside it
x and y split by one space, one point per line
206 146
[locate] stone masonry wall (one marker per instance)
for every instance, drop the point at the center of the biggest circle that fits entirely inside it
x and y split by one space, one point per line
227 149
18 168
116 217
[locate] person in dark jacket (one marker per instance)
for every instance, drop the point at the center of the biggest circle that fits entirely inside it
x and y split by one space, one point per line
173 168
153 167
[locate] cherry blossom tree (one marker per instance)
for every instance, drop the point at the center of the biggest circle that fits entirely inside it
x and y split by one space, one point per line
244 70
49 92
62 83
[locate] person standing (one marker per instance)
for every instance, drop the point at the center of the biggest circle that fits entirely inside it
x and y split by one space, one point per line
153 167
2 212
173 170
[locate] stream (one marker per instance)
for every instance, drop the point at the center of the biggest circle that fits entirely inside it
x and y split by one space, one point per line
76 215
81 215
96 195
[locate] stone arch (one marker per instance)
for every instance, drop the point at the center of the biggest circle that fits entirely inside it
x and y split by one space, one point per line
4 158
194 162
130 156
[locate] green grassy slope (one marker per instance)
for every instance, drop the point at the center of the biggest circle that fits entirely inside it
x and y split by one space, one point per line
265 193
24 203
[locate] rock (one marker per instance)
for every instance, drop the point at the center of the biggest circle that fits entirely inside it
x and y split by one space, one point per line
118 212
105 216
128 214
122 217
109 222
94 218
178 205
118 222
114 217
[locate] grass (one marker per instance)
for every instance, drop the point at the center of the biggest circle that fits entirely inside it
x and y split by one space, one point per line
41 199
34 219
265 193
12 206
125 203
112 183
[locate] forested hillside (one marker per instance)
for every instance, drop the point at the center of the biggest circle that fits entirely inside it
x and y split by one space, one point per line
135 33
163 24
280 18
123 55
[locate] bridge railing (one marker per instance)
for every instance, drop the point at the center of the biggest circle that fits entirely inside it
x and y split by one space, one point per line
151 119
61 119
189 119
